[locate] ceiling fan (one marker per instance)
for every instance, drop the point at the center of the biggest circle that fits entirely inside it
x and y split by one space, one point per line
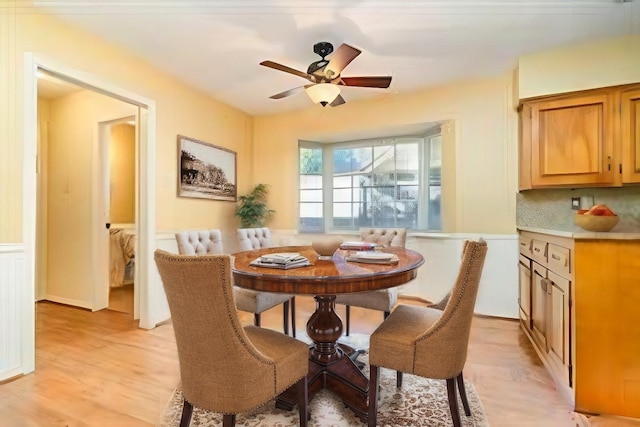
326 75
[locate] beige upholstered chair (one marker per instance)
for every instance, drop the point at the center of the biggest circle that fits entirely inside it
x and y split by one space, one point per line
440 305
257 238
254 238
209 242
202 242
224 367
383 300
429 342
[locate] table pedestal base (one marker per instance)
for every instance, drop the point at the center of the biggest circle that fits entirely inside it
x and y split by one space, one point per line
330 367
342 377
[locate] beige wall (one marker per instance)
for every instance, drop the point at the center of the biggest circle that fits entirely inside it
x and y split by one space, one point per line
72 160
180 110
483 117
585 66
482 151
122 174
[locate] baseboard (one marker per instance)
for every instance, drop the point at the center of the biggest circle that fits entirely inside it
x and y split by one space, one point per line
68 301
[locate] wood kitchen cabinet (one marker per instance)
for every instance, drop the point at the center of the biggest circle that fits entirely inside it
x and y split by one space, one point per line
585 294
581 139
558 329
550 327
630 135
524 280
524 294
607 308
539 305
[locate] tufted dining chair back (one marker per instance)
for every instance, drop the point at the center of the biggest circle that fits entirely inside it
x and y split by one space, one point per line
225 367
382 300
254 238
385 236
209 242
199 242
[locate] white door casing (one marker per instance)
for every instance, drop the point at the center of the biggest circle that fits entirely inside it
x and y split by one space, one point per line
145 212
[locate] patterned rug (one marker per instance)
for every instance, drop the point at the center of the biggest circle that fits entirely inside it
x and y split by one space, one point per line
420 402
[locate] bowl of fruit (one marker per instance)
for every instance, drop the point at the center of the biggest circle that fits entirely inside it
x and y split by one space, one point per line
598 218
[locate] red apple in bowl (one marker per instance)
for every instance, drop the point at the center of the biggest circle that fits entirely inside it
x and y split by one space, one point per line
600 210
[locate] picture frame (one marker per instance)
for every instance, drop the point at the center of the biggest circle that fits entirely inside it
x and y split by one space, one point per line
206 171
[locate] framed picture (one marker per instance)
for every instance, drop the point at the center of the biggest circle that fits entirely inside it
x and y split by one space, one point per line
206 171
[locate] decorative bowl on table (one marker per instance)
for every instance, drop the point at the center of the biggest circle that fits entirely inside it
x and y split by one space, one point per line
596 222
326 246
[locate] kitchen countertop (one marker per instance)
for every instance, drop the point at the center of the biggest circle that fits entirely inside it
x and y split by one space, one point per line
580 234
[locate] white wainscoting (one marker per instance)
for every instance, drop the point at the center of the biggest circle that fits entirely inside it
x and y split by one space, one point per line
497 296
158 306
12 295
498 292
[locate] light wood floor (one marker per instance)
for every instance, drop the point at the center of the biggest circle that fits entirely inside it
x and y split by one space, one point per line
121 299
99 369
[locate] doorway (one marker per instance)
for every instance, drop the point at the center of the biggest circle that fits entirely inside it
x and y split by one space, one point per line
74 266
145 191
117 143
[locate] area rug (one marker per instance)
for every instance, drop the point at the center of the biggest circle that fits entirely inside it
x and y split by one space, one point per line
420 402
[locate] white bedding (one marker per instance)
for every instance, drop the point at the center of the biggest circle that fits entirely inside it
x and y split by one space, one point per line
121 253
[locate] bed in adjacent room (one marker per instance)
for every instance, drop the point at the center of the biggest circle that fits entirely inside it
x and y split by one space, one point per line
121 256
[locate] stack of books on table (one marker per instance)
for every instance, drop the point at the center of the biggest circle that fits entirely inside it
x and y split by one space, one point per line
281 260
360 246
372 257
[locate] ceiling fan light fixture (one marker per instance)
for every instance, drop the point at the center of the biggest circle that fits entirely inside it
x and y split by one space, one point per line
323 93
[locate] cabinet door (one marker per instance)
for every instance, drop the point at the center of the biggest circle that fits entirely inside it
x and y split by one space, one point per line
572 140
630 120
539 305
524 267
559 330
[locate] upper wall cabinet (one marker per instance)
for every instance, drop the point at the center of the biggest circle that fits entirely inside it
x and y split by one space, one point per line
630 116
579 139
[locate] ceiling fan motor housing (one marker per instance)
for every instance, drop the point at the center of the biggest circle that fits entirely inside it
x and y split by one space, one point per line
323 48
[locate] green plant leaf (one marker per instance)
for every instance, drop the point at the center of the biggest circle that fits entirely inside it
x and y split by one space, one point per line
252 208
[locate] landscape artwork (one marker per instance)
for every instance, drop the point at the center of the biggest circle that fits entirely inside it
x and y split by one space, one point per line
206 171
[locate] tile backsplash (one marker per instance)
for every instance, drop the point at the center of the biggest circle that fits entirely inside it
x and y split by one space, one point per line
551 209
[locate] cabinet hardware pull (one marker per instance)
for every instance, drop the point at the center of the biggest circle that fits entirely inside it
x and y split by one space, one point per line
608 163
536 249
556 257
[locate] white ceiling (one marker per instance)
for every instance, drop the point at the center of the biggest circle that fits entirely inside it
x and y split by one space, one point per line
216 46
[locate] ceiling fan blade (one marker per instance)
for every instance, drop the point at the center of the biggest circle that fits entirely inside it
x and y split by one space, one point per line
372 81
338 101
280 67
289 92
340 59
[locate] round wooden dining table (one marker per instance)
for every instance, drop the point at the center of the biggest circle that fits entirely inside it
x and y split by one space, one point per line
330 366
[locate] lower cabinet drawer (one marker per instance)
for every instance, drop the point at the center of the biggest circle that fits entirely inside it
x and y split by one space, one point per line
558 260
539 251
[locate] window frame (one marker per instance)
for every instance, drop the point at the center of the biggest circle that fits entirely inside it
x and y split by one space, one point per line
425 145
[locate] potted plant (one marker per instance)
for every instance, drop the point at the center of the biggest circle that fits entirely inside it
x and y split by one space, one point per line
253 210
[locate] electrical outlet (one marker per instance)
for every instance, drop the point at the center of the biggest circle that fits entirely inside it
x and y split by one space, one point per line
575 203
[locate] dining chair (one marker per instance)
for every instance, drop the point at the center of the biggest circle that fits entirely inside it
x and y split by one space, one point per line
440 305
209 242
257 238
429 342
382 300
254 238
224 367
